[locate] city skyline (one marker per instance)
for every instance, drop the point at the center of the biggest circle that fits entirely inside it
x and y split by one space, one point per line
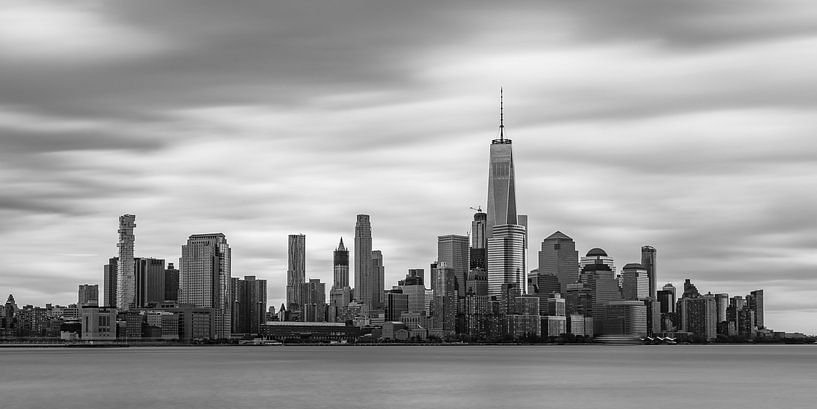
625 137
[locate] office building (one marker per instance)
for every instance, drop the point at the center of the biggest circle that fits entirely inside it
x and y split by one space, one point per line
314 301
648 260
379 277
340 295
627 317
365 286
249 304
414 288
755 301
110 277
558 257
171 283
88 295
453 250
506 258
635 282
296 268
397 304
125 279
479 240
699 316
205 278
150 281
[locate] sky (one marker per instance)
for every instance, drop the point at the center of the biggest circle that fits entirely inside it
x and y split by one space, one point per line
686 125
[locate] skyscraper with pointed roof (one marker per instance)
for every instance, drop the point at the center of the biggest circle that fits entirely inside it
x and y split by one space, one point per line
501 181
505 236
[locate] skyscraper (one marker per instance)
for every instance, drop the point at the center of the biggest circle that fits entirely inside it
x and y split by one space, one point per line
506 238
296 268
452 249
506 262
340 294
635 282
150 281
109 281
501 182
559 257
364 282
340 262
250 304
378 279
171 283
648 260
755 301
125 279
479 242
204 278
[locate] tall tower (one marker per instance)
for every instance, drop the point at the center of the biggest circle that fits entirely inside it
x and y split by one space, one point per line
364 281
501 181
296 268
479 242
340 262
204 278
648 254
378 279
125 278
559 257
506 238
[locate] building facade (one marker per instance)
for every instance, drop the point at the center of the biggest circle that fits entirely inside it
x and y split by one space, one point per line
205 278
126 280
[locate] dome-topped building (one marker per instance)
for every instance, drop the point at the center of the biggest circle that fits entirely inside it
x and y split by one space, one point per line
597 256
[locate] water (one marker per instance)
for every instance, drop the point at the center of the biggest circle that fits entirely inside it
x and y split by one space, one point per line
755 376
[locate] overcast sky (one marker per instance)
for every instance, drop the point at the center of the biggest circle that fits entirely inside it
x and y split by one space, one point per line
686 125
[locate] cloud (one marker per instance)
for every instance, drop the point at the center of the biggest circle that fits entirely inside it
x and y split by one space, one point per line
687 126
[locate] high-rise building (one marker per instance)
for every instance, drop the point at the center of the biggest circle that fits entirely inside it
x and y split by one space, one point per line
396 304
379 276
699 315
501 181
88 295
296 268
506 258
126 280
171 283
722 303
340 263
150 281
314 301
648 260
453 250
249 304
364 282
479 240
755 301
635 282
340 294
559 257
414 288
204 278
110 277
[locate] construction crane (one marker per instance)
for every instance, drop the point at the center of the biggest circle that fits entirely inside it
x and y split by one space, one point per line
478 208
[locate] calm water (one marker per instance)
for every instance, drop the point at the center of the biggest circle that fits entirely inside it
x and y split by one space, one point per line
411 377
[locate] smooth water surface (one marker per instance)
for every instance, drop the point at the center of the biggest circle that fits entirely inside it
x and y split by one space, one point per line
756 376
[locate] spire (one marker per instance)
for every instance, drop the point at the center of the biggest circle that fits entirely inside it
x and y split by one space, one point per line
501 115
340 246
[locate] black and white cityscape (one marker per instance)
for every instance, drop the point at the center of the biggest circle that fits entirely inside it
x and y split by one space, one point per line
479 288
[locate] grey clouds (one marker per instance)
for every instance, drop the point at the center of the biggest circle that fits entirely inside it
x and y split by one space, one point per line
688 126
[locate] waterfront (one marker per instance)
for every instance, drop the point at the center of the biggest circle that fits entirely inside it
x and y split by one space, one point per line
409 377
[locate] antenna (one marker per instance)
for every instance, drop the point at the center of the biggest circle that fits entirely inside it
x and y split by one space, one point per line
501 114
